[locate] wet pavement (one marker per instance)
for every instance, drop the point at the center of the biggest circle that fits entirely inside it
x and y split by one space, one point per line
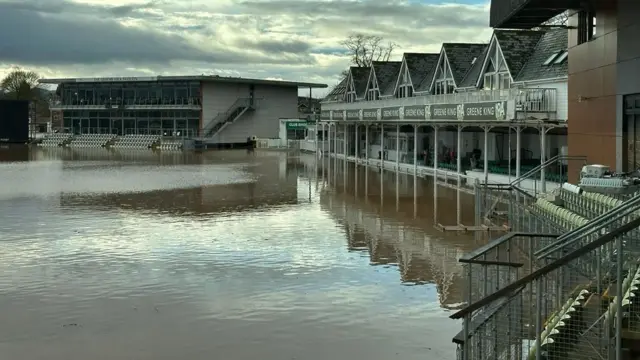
142 255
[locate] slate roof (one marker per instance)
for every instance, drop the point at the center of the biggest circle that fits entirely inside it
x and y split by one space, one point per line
360 77
387 74
553 41
337 93
471 79
517 47
421 67
460 56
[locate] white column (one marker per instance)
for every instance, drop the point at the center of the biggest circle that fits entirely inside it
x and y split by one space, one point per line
357 142
518 150
459 152
335 138
323 139
397 147
415 149
382 145
435 151
543 158
328 138
366 143
316 137
486 156
344 142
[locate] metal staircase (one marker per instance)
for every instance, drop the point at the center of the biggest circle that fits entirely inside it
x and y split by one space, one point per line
568 296
234 112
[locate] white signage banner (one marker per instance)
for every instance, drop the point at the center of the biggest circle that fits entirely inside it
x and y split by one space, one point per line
118 79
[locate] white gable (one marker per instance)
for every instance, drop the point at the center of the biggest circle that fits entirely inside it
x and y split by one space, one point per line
443 70
494 63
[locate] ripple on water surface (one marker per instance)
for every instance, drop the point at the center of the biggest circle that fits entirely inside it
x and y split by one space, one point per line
106 260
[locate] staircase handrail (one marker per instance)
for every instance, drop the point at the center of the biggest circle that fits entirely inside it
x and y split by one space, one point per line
605 219
514 184
242 101
519 285
545 165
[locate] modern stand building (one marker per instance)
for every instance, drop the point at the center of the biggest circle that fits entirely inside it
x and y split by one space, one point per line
222 110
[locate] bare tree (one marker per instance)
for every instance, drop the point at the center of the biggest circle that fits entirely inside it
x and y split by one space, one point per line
21 85
364 49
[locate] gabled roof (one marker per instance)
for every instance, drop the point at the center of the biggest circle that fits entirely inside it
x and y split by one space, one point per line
386 73
360 77
460 56
422 67
391 86
471 79
517 47
553 41
337 93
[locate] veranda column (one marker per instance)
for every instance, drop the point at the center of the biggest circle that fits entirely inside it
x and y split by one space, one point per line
543 158
518 150
382 145
345 128
486 156
459 153
415 149
366 143
397 147
324 139
357 142
335 139
328 139
435 151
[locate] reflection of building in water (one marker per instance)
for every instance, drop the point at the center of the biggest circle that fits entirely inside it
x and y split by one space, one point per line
267 184
131 155
422 256
202 200
398 189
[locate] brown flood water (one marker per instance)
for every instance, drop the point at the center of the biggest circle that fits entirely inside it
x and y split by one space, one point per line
140 255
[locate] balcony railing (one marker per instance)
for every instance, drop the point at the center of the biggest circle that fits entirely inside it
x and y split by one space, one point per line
523 100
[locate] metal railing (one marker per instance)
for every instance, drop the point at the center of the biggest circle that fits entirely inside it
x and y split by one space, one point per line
543 100
223 117
535 175
556 313
540 307
78 102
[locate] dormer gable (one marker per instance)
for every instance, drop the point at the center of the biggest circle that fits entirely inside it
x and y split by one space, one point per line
350 92
507 54
404 85
495 74
373 87
443 81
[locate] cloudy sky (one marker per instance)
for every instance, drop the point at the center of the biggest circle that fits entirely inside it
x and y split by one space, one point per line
279 39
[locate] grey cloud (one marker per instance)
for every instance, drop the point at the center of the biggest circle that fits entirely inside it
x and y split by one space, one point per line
273 46
126 10
422 14
40 34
